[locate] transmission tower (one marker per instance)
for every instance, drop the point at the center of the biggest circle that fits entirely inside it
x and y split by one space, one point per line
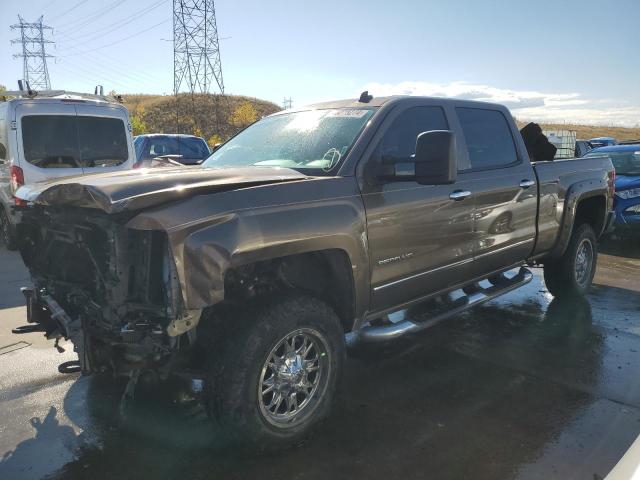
34 55
196 53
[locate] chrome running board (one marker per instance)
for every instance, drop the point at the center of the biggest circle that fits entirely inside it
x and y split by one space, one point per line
396 325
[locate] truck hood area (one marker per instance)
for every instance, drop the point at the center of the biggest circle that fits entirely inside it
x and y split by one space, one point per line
625 182
134 190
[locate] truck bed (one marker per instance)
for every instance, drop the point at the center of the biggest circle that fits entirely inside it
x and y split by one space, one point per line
563 182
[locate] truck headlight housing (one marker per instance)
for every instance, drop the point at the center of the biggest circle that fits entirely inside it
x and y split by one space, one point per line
633 210
631 193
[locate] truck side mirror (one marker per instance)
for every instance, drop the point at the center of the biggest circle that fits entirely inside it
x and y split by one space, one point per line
434 163
435 158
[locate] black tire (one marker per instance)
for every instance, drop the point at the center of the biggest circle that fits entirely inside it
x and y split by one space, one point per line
562 276
7 232
235 372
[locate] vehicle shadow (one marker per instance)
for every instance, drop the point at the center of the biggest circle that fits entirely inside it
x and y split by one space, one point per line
467 390
29 458
629 247
16 276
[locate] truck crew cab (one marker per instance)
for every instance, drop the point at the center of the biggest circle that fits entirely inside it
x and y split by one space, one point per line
307 229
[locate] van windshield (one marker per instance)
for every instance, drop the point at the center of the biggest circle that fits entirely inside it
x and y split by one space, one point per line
70 141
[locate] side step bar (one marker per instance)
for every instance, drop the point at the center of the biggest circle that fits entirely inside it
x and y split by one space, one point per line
475 294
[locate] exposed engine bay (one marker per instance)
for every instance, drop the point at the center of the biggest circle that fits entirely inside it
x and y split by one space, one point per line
111 290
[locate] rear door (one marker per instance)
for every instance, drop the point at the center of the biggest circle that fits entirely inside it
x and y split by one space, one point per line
47 140
420 239
504 189
104 138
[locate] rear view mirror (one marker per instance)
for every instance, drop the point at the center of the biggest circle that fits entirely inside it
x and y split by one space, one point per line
435 158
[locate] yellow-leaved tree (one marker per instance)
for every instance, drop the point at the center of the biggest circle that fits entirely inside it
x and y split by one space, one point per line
213 140
138 125
244 115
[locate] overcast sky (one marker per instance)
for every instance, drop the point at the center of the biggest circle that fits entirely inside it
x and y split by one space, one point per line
573 61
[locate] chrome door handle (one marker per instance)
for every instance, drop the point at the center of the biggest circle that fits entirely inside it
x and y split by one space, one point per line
459 194
527 183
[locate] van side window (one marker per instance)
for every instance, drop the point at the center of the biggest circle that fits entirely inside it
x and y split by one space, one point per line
3 152
399 141
488 138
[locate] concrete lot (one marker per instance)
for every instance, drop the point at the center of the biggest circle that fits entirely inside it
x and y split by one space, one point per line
523 387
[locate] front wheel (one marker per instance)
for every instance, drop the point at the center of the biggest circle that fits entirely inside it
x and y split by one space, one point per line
573 273
276 376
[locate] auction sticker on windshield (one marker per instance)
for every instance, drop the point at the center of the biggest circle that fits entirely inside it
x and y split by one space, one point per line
350 113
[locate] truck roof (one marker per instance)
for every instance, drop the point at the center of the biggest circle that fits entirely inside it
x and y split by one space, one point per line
380 101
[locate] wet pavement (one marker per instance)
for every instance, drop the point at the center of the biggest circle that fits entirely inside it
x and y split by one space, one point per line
523 387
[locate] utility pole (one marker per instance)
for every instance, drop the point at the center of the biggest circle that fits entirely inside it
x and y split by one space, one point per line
196 52
287 103
34 55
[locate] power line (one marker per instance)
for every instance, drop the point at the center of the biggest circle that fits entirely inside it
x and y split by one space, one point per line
80 3
81 22
118 41
118 24
34 55
48 5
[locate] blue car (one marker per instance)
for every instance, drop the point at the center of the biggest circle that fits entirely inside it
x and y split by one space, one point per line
626 160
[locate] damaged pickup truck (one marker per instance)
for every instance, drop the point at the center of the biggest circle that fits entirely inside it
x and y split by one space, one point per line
310 229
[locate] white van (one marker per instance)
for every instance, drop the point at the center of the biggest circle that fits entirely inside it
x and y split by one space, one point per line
45 135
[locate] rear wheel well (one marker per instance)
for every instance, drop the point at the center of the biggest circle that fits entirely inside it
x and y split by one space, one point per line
592 212
325 274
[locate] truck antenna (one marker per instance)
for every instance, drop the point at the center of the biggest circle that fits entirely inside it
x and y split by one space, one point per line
365 97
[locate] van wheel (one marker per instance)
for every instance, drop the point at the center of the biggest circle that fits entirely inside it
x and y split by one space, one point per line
6 231
573 273
275 375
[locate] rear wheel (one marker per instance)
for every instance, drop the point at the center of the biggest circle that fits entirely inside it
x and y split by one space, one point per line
275 378
6 231
573 273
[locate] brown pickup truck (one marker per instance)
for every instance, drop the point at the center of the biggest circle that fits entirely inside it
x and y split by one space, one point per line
310 229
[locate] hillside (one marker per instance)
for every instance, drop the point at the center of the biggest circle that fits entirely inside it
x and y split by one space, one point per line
585 132
216 117
213 117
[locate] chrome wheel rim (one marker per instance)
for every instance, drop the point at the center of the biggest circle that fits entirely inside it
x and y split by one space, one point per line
583 263
293 378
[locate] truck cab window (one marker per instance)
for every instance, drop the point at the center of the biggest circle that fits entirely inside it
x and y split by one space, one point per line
3 152
488 138
399 141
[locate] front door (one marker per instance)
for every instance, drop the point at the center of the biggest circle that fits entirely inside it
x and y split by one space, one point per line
420 239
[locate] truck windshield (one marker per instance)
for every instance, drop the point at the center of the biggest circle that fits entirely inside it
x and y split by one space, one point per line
625 163
312 141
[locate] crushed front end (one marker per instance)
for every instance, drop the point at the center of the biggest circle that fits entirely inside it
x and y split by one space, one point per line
113 291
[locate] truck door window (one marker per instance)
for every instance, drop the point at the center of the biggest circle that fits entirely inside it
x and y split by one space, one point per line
488 138
399 141
3 152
